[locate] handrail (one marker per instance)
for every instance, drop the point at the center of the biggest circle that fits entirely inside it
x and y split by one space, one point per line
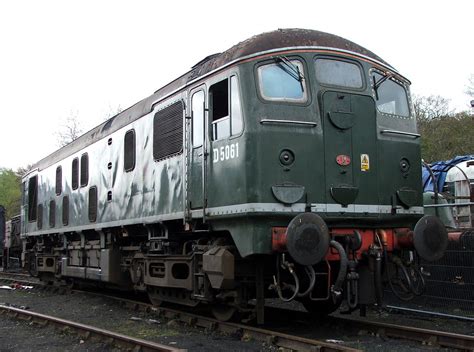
448 205
288 122
400 133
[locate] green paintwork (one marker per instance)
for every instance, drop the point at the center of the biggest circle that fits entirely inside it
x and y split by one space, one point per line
407 197
247 169
347 126
358 137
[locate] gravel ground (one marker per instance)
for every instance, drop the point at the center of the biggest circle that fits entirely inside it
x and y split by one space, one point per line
352 335
13 338
392 316
422 321
106 314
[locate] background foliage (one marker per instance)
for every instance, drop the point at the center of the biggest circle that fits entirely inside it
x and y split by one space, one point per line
444 134
10 192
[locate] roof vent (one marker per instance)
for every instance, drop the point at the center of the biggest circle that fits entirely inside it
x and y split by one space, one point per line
207 58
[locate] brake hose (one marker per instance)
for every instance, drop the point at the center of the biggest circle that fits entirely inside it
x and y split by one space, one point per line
336 289
410 297
312 280
276 281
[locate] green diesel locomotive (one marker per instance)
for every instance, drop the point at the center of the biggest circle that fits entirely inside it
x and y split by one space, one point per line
287 166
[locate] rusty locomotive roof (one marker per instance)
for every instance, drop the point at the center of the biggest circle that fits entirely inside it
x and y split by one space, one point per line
279 39
282 38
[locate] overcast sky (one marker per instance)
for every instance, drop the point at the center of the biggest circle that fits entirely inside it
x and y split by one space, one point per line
59 58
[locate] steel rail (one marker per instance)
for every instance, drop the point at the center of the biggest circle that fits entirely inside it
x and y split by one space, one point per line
430 313
275 338
88 331
432 337
428 336
13 274
271 337
10 272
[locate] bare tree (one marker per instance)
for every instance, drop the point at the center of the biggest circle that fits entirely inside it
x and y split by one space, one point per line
431 107
22 171
113 111
470 86
69 130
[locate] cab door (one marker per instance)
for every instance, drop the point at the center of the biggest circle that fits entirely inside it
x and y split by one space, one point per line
197 150
350 143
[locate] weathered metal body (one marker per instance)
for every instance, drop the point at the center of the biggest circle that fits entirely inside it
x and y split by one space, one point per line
11 244
2 234
12 234
184 192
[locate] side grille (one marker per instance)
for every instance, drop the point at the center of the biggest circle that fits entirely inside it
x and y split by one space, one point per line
168 131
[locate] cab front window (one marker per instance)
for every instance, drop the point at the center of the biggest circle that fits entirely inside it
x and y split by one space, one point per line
282 81
339 73
390 96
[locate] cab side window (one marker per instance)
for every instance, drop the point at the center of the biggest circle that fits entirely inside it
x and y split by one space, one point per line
225 108
129 151
197 104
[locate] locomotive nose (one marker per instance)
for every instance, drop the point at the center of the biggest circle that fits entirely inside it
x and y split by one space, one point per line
430 238
307 238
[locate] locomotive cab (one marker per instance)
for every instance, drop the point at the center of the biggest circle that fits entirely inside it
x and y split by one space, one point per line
329 136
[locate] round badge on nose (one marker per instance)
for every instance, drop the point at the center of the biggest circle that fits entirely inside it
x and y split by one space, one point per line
343 160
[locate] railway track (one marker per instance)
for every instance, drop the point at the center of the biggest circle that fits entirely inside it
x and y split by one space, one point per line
278 339
425 336
19 275
275 338
87 331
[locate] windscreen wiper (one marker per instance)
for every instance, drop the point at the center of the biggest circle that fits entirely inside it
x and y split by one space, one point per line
291 69
377 84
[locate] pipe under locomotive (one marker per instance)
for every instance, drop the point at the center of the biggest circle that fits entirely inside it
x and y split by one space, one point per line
287 166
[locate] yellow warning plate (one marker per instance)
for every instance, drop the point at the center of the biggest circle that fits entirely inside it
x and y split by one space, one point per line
364 162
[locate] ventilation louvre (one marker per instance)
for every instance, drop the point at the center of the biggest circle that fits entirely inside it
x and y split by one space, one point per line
93 204
75 174
65 210
84 170
39 221
52 213
168 131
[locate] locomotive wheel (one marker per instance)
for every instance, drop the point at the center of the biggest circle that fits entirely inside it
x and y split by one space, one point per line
47 278
70 284
154 297
32 269
320 309
223 312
